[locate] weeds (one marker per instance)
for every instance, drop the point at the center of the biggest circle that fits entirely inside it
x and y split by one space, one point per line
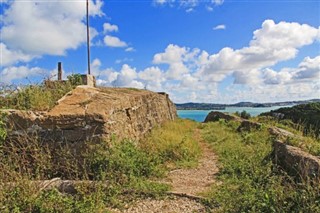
35 97
309 143
123 170
249 180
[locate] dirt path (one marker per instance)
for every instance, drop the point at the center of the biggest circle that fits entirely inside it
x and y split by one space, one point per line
195 180
190 182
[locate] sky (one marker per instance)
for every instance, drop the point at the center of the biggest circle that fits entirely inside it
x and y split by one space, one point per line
212 51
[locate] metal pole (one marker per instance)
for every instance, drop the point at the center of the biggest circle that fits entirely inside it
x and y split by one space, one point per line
59 71
88 39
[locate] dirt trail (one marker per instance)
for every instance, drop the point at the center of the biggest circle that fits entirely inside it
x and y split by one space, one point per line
189 182
195 180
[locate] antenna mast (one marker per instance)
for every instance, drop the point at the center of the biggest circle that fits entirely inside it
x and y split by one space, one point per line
88 38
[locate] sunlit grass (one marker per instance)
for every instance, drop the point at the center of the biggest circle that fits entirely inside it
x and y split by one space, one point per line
248 180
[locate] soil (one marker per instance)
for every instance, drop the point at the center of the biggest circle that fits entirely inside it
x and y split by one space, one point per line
186 184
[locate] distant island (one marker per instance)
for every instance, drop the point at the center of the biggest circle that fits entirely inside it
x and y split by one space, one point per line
213 106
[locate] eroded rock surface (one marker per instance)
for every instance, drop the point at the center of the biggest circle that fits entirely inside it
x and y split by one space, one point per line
89 113
296 161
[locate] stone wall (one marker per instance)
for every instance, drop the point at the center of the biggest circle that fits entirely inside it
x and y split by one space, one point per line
88 113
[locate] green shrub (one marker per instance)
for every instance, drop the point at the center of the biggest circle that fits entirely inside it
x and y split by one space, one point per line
75 79
244 114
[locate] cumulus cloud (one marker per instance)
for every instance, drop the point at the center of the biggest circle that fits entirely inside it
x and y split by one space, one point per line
113 41
127 78
107 27
308 70
28 28
9 74
174 57
220 27
271 44
9 57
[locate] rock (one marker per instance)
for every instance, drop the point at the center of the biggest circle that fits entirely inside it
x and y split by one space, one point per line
280 132
216 115
295 161
247 125
21 119
89 113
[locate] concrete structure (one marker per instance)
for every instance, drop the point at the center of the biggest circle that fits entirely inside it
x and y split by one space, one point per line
88 80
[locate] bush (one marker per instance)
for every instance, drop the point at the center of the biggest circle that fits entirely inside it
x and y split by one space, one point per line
245 115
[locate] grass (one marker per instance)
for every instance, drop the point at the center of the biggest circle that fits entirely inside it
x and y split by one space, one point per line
34 97
248 181
309 143
124 170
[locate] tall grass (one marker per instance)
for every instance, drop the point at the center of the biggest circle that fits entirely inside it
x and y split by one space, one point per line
249 182
309 143
122 170
35 97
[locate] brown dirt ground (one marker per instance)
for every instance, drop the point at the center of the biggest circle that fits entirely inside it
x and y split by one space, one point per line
187 181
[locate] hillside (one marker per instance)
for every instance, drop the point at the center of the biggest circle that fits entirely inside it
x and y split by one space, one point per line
213 106
141 166
307 116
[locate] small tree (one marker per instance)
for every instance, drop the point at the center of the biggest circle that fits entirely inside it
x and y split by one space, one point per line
245 115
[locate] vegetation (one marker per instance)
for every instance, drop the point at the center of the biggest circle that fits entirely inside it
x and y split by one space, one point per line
37 97
244 114
122 170
307 116
248 181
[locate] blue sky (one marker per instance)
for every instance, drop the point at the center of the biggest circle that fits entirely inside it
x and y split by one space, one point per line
197 51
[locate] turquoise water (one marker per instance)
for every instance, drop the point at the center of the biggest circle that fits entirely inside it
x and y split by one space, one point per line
200 115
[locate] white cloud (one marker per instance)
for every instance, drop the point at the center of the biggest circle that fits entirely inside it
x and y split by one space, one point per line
174 57
309 69
9 74
217 2
9 57
189 5
113 41
189 10
107 27
119 61
193 74
28 29
127 78
220 27
130 49
209 8
271 44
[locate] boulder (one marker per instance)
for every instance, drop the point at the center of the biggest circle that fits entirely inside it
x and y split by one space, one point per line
295 161
88 113
276 131
216 116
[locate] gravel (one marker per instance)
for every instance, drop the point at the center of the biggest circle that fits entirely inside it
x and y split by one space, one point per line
167 205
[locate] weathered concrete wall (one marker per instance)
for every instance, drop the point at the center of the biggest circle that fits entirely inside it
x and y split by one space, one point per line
88 113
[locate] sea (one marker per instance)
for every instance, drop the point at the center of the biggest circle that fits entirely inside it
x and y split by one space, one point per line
200 115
